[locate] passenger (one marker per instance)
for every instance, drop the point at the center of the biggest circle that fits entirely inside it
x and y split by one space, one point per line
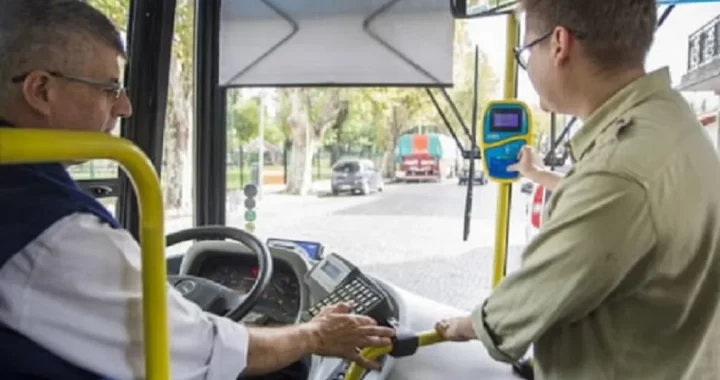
622 280
70 282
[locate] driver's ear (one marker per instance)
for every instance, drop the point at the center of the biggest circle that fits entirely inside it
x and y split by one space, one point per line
38 91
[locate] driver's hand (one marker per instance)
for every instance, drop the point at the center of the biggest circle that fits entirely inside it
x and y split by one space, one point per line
529 162
341 334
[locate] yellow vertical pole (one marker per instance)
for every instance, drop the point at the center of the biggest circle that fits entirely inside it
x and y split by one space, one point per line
503 203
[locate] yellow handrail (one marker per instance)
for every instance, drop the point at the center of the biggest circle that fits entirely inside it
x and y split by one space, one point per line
21 145
425 338
503 202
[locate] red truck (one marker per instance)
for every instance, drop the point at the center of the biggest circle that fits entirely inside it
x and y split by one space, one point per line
427 157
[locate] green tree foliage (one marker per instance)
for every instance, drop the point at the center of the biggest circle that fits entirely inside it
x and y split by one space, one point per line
115 10
463 77
398 109
243 118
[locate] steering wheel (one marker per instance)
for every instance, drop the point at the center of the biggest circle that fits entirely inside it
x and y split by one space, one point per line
210 295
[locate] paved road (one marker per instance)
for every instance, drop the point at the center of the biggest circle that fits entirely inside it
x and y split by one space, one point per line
410 234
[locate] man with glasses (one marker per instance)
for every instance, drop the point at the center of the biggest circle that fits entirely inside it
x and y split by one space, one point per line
70 279
623 279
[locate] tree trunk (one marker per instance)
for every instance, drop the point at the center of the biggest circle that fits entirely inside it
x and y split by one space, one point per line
308 135
389 158
303 145
176 143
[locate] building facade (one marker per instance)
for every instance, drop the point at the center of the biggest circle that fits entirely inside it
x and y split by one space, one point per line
701 82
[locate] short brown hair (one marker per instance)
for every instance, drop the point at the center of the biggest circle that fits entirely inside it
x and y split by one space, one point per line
48 35
614 33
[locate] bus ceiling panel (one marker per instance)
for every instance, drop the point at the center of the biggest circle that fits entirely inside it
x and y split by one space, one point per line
272 43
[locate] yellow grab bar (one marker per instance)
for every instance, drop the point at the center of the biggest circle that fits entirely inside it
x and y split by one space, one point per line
21 145
410 343
503 203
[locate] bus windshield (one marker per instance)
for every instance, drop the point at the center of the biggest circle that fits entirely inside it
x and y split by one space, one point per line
402 217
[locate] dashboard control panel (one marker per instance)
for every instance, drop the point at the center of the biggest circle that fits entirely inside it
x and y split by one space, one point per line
337 280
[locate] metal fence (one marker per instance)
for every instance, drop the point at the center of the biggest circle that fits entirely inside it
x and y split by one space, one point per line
241 165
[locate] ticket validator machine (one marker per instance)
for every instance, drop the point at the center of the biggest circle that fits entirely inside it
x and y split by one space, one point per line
506 128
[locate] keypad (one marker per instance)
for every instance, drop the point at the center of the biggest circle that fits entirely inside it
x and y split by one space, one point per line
357 291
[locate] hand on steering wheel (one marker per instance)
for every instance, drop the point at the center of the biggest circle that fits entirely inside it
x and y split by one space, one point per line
211 296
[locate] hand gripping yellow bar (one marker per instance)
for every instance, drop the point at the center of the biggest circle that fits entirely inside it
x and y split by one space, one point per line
22 145
402 346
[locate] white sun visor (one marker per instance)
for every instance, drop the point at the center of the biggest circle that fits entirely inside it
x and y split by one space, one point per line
273 43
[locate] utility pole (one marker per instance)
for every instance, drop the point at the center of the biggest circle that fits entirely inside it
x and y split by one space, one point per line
261 145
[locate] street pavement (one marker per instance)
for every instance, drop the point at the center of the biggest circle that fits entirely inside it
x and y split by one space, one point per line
410 234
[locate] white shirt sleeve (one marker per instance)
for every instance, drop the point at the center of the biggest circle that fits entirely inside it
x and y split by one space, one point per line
77 291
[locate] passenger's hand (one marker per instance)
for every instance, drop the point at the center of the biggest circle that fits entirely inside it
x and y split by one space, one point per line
529 162
458 329
340 334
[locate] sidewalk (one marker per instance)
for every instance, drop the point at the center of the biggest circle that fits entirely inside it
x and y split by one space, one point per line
321 186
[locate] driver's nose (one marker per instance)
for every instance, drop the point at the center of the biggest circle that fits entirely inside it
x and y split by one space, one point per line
122 107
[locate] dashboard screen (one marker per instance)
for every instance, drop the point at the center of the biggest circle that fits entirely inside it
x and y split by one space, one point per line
506 121
311 250
331 270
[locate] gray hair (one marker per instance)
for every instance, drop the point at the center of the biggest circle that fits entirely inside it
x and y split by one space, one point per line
48 35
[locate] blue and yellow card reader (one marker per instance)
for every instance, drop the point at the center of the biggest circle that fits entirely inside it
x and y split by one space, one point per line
507 127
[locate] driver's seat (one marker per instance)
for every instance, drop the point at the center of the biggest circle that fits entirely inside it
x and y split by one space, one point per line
32 198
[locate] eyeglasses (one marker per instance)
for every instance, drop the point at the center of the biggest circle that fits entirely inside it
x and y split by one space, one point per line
110 87
522 53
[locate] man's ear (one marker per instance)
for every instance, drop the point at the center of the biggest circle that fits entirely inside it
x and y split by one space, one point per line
561 44
36 90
